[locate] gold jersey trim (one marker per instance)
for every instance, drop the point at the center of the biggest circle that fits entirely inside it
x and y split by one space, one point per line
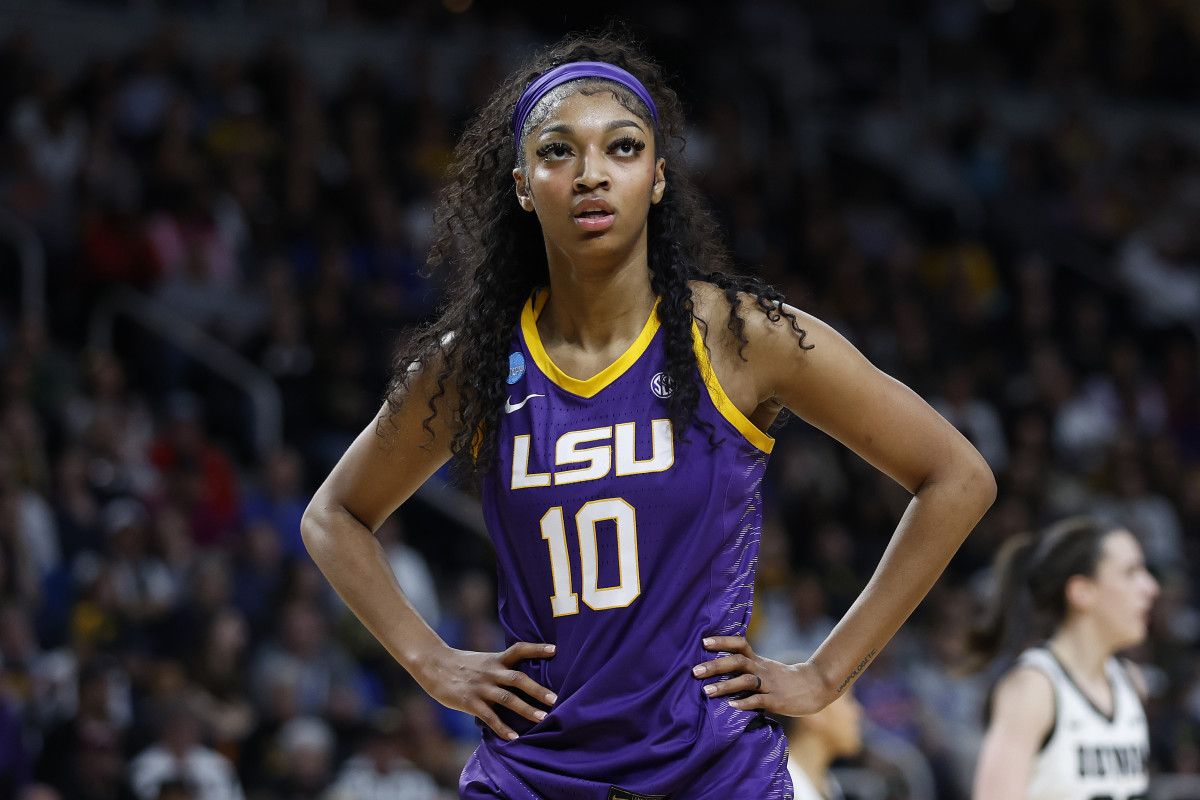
593 385
721 400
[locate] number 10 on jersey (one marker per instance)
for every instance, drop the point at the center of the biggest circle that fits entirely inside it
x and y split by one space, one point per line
565 601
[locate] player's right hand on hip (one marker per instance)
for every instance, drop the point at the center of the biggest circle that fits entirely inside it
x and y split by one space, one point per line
477 682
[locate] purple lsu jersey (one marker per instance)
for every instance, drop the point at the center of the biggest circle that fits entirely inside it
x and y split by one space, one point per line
625 548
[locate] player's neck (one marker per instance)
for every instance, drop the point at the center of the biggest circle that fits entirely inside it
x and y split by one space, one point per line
597 310
1081 651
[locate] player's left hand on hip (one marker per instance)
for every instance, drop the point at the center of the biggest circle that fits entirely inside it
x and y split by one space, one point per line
766 684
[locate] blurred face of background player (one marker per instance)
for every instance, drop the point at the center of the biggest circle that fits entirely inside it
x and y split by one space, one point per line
591 177
1119 595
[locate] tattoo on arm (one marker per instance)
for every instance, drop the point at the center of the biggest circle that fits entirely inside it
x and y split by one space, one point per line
861 666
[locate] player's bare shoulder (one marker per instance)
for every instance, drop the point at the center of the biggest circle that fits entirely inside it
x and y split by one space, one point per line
421 407
1024 698
745 346
761 322
1025 682
710 307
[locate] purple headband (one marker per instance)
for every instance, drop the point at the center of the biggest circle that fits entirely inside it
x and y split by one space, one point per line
569 72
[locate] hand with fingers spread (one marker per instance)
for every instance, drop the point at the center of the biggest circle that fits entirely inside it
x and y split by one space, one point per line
790 689
476 682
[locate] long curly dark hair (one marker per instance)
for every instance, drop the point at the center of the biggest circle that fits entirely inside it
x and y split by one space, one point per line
495 257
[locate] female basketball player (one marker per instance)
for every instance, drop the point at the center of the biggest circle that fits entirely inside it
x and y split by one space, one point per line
1066 721
607 385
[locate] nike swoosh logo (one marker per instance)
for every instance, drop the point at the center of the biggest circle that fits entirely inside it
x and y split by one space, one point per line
510 408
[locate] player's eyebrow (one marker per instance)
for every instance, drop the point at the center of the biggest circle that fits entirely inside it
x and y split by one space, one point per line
565 129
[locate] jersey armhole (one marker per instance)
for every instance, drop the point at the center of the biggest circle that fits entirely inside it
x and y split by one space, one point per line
1053 694
721 400
991 699
1054 724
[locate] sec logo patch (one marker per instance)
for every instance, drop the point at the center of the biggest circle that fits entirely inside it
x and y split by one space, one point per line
662 385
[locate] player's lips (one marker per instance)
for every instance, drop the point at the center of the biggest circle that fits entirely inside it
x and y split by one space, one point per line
594 215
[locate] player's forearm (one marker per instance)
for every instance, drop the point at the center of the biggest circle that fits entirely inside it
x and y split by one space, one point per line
933 527
356 566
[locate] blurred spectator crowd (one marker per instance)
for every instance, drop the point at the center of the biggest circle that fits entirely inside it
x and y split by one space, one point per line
993 200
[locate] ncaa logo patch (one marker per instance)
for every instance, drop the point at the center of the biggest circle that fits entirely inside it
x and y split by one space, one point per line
662 385
516 367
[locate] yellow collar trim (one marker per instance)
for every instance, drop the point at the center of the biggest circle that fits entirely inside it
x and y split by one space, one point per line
593 385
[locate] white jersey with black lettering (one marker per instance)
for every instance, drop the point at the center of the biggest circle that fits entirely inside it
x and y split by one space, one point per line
1088 754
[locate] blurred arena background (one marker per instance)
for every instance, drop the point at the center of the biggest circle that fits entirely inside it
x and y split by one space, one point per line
213 215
